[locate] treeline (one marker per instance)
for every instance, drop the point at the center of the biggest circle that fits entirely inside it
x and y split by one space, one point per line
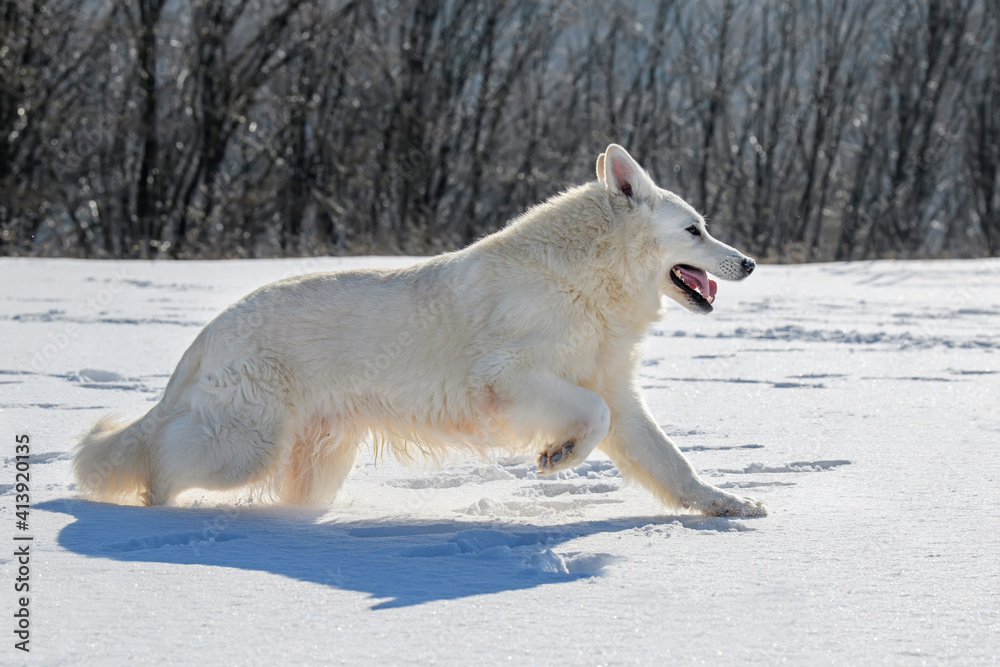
804 130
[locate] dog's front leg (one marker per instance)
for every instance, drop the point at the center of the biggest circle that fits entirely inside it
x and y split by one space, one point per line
570 419
643 452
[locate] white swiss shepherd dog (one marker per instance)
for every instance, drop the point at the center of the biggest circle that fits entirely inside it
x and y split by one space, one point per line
525 342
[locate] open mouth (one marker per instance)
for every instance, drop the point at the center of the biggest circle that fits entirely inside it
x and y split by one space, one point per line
696 284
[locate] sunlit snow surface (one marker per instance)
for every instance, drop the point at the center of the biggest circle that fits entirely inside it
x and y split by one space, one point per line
860 401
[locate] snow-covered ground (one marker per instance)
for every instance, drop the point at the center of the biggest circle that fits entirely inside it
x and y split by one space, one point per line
860 401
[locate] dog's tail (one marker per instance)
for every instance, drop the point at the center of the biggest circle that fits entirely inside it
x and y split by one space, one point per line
111 463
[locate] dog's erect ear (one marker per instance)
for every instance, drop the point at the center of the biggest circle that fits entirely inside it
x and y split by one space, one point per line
600 169
623 174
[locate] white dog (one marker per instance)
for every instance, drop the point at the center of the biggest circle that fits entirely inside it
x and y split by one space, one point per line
525 342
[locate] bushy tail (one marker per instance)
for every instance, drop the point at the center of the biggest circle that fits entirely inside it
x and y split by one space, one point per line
111 461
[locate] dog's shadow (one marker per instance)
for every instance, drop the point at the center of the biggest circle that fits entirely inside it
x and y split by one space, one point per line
398 563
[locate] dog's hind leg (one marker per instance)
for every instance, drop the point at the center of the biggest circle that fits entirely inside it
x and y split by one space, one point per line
234 449
228 431
318 464
643 452
570 419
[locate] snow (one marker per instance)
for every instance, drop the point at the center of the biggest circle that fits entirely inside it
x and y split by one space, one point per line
860 401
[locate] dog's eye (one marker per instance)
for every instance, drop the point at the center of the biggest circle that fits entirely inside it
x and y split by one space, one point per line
693 230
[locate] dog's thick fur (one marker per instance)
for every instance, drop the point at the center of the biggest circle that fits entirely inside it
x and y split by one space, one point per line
524 342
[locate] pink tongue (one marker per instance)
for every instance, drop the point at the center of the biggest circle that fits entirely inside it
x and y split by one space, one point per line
698 277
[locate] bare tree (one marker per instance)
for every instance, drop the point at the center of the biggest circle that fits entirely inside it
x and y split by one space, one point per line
983 137
805 129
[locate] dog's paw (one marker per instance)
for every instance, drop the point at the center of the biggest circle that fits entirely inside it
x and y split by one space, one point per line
734 506
557 457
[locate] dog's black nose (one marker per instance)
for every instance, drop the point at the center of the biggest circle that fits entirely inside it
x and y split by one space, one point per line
749 265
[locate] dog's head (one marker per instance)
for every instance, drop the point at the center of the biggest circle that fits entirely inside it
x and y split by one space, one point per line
688 251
